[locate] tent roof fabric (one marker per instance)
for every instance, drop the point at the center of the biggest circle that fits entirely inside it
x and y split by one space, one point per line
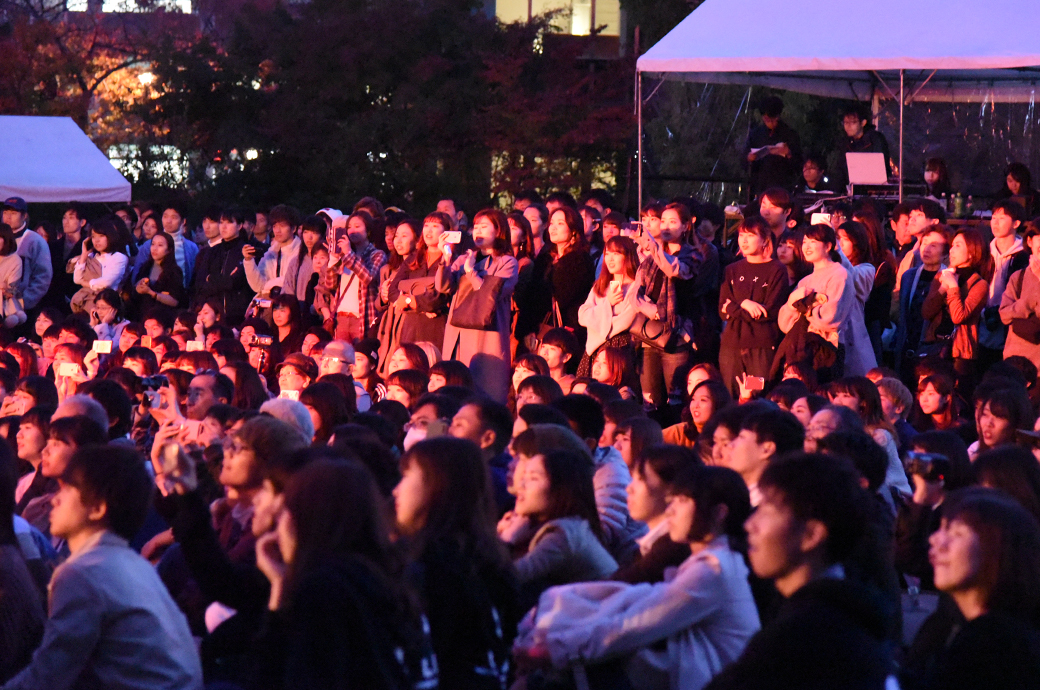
50 159
834 48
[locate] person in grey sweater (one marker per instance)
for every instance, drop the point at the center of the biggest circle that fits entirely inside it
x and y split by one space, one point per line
557 538
109 611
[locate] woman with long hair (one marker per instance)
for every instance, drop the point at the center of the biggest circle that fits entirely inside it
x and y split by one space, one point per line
328 409
986 558
613 366
403 244
30 440
407 356
610 308
522 240
525 366
538 216
26 357
877 311
161 281
107 260
561 540
338 584
416 310
1000 414
565 274
445 512
955 302
666 283
707 398
855 245
250 388
789 253
936 179
938 408
406 386
633 436
1018 185
859 394
484 349
289 332
108 318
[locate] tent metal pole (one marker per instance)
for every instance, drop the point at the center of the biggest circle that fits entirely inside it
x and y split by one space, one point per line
902 102
639 143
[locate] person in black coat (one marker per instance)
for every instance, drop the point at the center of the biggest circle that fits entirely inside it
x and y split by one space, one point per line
161 281
67 245
829 631
341 613
564 276
445 512
860 137
219 273
986 557
773 150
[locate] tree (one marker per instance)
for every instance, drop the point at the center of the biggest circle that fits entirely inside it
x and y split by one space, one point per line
77 64
409 101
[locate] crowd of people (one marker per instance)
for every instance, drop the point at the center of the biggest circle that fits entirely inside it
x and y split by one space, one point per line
548 448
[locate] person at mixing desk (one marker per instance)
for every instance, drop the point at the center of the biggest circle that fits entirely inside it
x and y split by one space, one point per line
815 179
860 137
774 151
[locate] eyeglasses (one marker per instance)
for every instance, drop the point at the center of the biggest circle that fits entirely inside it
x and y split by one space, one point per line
233 446
420 424
820 430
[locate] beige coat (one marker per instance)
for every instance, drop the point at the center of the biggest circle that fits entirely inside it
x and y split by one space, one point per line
486 353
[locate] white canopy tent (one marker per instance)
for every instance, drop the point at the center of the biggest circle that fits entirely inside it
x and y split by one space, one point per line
926 50
50 159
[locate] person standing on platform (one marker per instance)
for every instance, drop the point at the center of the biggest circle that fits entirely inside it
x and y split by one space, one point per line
860 137
774 150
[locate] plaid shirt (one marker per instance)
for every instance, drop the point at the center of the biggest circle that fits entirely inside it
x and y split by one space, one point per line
365 265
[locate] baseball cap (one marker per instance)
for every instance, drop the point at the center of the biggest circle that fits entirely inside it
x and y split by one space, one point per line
369 347
17 203
302 363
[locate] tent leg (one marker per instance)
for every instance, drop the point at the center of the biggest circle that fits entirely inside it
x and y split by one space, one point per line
902 101
639 143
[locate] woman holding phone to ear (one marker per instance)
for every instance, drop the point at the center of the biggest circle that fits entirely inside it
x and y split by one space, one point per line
485 352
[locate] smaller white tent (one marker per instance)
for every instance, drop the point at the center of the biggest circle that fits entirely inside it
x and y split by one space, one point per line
50 159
